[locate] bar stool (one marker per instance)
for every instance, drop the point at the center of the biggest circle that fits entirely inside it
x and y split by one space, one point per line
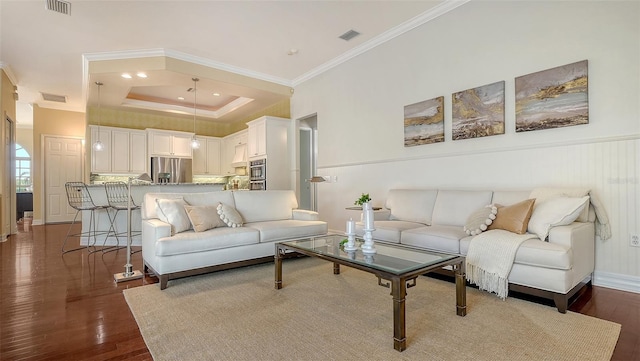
79 199
117 194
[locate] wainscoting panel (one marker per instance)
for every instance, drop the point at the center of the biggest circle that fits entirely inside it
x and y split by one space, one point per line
609 168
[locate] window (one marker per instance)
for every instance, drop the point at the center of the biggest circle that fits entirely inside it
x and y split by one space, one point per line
23 170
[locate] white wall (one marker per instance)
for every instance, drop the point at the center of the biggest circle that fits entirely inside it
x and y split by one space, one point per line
360 103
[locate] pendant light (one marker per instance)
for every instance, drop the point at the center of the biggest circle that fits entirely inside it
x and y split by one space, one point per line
98 146
195 143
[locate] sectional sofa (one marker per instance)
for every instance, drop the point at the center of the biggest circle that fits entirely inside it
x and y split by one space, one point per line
184 234
555 267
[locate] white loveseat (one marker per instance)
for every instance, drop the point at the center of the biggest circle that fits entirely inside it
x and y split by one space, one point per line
555 268
268 216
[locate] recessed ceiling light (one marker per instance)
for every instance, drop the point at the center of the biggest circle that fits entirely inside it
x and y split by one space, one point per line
292 51
180 98
216 94
141 75
126 75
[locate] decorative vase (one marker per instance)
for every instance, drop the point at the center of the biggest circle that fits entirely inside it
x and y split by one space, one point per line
368 217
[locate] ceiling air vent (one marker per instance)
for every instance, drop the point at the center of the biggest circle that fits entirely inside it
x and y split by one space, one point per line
62 7
349 35
54 98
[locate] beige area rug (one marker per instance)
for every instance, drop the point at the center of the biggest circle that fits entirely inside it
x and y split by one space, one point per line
239 315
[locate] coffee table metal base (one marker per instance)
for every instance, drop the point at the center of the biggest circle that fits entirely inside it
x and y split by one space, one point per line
398 284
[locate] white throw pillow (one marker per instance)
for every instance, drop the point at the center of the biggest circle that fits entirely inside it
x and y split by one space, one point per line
479 220
229 215
172 211
203 217
542 194
553 212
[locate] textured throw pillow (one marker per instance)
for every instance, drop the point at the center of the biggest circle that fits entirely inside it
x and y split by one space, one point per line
172 211
229 215
203 217
553 212
479 220
514 218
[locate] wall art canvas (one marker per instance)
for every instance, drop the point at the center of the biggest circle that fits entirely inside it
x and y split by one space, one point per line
424 122
478 112
553 98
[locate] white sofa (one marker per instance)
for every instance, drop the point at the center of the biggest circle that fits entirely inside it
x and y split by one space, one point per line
268 216
434 220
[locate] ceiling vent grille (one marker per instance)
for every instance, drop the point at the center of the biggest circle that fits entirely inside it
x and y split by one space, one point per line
349 35
62 7
54 98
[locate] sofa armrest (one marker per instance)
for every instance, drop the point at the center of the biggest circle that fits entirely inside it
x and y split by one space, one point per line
152 230
305 215
579 237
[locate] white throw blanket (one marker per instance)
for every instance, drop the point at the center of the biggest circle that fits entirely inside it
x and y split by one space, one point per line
490 258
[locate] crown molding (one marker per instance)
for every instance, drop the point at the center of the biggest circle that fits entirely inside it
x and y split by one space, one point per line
411 24
10 74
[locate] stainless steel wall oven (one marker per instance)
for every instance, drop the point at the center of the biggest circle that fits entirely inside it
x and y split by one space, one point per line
258 174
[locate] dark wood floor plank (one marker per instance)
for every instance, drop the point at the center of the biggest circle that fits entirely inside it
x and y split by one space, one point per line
55 307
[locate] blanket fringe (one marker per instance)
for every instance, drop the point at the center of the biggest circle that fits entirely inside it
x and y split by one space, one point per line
487 281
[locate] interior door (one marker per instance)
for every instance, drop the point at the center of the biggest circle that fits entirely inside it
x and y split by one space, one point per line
63 163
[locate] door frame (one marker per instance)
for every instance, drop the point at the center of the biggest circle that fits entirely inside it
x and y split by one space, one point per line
9 211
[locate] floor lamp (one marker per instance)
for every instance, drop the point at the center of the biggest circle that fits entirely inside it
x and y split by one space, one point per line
129 274
314 180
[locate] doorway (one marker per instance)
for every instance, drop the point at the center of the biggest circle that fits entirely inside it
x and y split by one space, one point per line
308 154
9 226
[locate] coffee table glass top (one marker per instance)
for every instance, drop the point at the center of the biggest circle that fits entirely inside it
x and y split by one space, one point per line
395 259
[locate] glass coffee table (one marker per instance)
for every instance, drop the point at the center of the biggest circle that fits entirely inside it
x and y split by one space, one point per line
398 265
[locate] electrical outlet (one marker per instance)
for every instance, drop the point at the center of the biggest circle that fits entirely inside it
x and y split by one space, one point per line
634 240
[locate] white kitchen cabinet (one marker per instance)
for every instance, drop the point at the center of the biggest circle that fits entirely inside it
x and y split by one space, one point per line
101 160
128 151
125 151
236 142
257 138
268 138
207 158
164 143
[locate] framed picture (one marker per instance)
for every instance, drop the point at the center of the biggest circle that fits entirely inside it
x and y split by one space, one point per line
478 112
424 122
553 98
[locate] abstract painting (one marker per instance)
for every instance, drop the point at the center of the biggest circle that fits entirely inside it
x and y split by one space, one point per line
478 112
553 98
424 122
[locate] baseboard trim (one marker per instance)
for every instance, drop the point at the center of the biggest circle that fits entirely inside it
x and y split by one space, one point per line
617 281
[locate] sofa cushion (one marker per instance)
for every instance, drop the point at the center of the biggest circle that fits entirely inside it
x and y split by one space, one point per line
388 231
514 218
271 231
454 207
194 199
411 205
480 219
216 238
203 217
553 212
269 205
438 238
534 252
229 215
172 211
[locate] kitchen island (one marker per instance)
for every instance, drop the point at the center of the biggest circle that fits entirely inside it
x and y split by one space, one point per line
99 196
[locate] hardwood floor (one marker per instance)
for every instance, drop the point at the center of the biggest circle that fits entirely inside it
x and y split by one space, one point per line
55 307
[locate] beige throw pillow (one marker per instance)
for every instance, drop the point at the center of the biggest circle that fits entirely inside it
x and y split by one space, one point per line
229 215
514 218
203 217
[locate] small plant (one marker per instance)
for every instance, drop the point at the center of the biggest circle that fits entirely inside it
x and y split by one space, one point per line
364 198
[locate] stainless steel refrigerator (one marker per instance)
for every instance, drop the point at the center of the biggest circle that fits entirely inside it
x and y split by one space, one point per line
171 170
